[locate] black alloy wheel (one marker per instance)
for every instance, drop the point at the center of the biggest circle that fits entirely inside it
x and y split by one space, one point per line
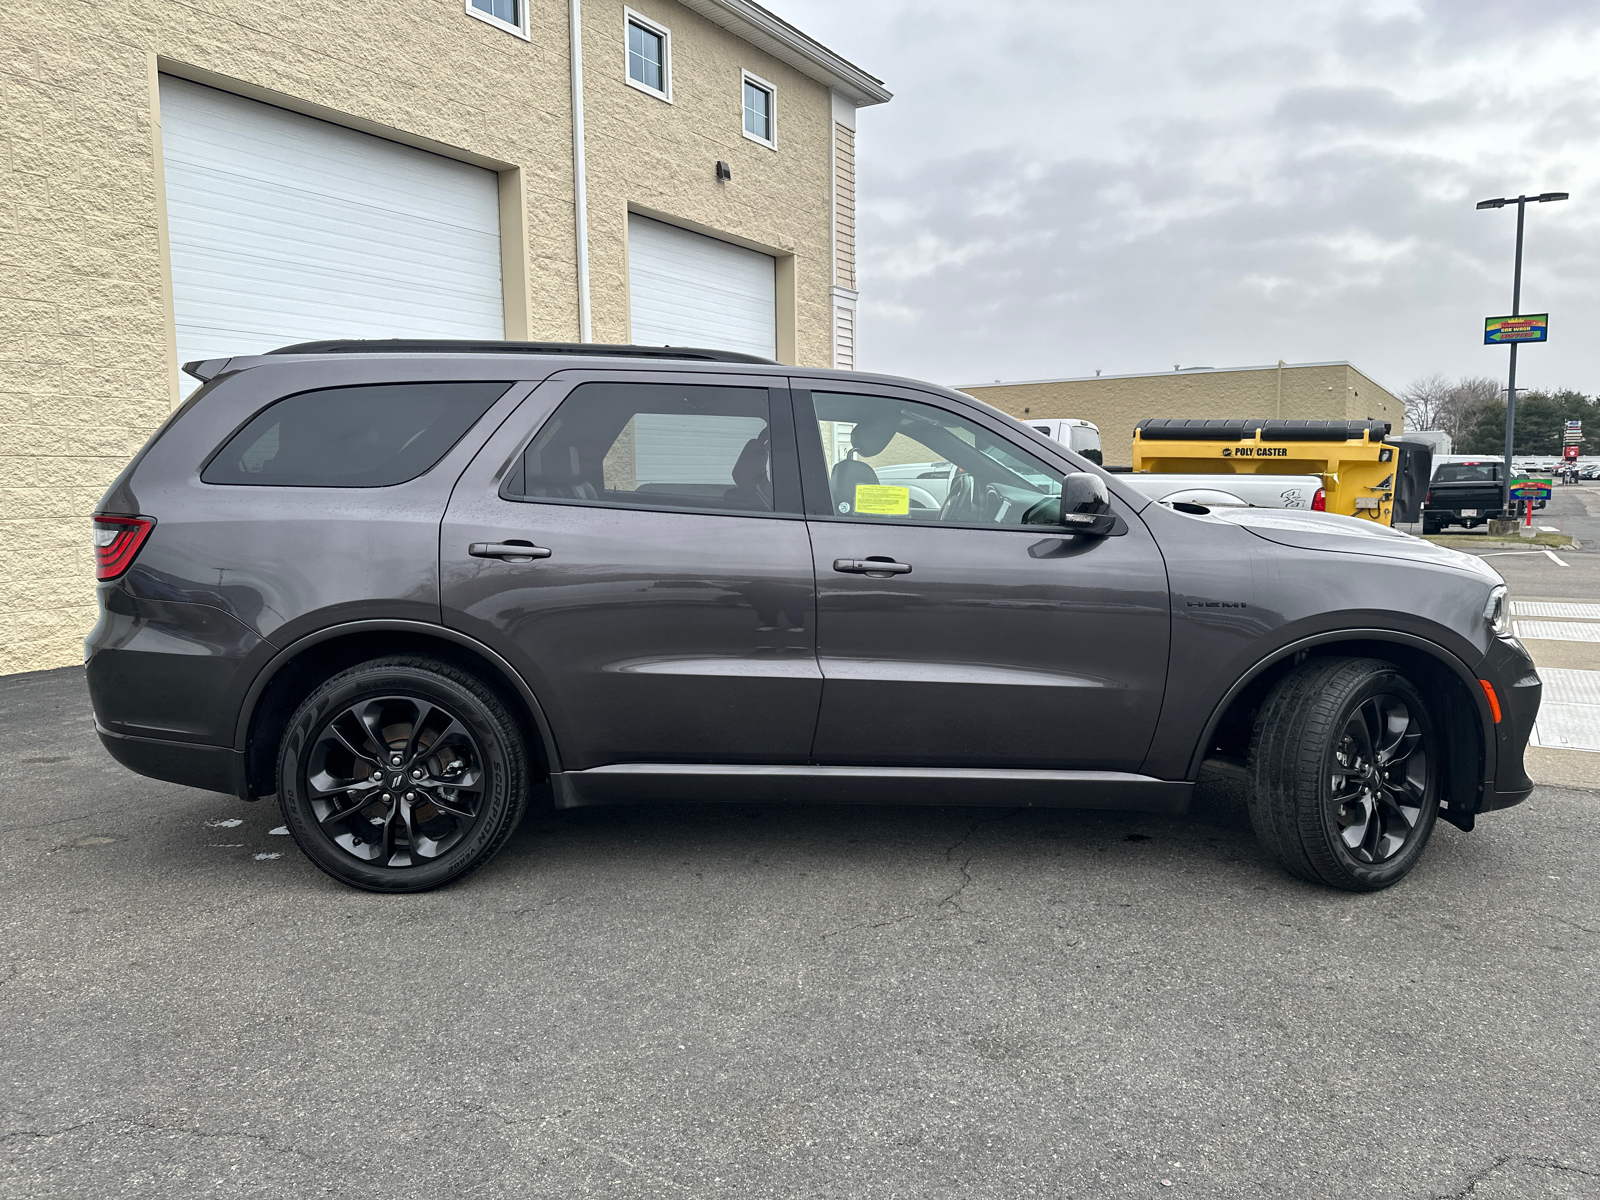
1379 781
1345 773
395 780
402 774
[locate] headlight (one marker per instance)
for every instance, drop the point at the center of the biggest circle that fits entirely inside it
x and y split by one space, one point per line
1497 613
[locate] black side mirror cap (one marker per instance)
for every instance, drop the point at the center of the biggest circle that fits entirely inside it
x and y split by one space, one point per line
1084 507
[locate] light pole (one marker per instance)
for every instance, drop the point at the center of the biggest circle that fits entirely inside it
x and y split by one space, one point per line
1522 203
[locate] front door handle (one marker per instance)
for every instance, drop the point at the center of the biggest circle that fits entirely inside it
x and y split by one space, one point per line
871 566
508 551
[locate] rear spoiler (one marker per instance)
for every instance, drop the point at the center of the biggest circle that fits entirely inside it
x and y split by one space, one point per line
206 369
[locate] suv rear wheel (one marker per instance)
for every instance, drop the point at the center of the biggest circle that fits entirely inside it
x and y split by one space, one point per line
402 774
1344 766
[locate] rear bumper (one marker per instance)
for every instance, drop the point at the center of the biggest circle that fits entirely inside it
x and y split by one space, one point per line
212 768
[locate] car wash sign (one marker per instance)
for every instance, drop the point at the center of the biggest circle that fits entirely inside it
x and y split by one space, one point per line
1502 331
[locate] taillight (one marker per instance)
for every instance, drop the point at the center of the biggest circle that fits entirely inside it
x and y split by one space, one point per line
116 541
1319 502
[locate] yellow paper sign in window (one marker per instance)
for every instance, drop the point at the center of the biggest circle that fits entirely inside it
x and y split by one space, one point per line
881 500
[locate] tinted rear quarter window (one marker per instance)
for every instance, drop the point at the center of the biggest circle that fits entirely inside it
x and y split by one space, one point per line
373 435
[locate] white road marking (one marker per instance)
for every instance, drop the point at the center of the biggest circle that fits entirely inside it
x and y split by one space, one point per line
1569 711
1557 631
1555 608
226 845
230 823
265 857
1548 529
280 831
1551 555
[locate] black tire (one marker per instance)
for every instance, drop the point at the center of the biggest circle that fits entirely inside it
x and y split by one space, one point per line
1314 788
1430 526
402 774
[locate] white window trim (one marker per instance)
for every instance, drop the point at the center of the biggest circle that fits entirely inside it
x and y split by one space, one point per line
521 30
772 109
629 17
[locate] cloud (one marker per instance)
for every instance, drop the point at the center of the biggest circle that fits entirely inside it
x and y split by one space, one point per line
1060 187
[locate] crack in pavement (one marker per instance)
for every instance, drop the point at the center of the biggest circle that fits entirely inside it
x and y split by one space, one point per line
1566 921
952 898
1520 1160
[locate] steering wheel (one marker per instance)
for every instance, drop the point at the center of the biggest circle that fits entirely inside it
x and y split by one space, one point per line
960 500
964 503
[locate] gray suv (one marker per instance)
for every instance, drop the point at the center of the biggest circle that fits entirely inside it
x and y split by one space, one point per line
409 586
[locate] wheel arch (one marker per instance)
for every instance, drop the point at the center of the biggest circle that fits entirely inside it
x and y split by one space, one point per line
291 674
1458 705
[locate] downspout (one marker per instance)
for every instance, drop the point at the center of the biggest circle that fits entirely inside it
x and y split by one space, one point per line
580 183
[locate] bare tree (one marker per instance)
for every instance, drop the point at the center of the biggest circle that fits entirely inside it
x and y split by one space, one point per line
1425 400
1433 402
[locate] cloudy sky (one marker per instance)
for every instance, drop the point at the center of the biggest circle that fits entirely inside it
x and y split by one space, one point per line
1060 186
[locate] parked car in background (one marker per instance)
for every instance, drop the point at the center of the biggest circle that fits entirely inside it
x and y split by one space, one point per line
411 588
1466 490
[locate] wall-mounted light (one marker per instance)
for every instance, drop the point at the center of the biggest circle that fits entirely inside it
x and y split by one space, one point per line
724 172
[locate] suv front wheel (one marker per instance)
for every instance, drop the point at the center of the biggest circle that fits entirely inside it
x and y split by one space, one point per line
1344 766
402 774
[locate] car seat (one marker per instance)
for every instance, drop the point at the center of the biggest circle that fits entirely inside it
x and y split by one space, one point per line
867 439
752 485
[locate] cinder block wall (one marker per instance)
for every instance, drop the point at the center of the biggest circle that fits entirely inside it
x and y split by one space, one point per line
87 367
1117 403
660 159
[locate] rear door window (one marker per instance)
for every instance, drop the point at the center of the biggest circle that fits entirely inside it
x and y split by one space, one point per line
649 445
1467 473
374 435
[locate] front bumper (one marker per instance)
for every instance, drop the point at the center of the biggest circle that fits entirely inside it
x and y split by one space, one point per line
1510 670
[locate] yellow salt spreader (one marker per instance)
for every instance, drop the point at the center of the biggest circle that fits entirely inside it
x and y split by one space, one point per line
1364 472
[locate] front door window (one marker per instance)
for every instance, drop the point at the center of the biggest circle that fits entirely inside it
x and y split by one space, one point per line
901 461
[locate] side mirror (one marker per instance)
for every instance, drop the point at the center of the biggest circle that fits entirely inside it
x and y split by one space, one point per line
1084 506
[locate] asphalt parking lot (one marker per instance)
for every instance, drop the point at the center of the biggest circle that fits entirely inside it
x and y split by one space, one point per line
781 1002
760 1001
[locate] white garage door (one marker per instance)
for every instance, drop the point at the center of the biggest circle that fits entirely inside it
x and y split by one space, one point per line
286 229
686 289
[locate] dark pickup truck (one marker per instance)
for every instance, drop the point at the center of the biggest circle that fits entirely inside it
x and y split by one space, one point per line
1463 493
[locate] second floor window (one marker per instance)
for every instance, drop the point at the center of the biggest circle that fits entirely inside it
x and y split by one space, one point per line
509 15
649 56
758 117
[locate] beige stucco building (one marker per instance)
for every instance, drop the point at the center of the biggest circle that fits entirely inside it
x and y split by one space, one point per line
1115 403
183 180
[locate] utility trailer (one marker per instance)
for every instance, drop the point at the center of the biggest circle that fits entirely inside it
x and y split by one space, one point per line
1364 472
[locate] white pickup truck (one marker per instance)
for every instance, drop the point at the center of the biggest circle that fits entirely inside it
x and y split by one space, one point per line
929 482
1220 491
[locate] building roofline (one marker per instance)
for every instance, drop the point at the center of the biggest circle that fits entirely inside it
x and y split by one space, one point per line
1189 371
783 41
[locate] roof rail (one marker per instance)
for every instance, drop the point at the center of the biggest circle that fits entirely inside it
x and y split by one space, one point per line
449 346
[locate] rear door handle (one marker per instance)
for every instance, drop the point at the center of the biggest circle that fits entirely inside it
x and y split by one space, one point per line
509 551
870 566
